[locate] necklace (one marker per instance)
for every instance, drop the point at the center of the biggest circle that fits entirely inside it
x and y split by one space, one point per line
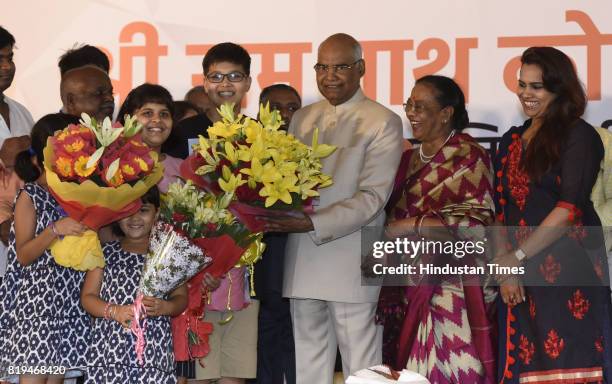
427 158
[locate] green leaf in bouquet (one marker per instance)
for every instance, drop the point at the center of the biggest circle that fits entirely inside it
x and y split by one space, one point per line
193 337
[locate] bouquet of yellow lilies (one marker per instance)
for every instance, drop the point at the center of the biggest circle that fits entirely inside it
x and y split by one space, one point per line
97 172
262 166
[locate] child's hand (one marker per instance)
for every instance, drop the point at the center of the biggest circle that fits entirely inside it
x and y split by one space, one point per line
155 306
68 226
210 283
123 314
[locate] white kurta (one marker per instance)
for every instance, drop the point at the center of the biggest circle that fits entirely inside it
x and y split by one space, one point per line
330 306
21 121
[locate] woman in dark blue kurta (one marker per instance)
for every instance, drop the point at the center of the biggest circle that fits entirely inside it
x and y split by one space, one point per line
552 330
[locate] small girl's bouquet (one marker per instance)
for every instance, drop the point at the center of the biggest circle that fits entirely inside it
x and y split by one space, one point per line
97 172
204 221
262 166
172 260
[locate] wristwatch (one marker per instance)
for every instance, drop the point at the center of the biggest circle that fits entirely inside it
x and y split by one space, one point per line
520 254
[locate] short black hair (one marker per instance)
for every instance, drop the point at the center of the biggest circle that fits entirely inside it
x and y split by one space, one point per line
448 93
229 52
6 38
152 197
181 108
274 87
145 93
41 131
78 57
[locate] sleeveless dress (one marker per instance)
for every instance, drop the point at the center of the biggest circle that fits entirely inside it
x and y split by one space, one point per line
42 323
112 355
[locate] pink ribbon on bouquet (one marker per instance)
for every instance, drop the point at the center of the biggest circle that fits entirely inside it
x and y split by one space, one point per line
137 329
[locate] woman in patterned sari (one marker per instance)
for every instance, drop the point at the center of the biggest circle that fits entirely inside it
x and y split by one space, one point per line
442 330
555 318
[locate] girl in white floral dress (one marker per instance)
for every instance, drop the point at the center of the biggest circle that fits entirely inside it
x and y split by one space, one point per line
108 294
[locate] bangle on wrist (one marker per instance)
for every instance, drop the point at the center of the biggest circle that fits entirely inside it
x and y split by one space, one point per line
419 224
54 230
106 310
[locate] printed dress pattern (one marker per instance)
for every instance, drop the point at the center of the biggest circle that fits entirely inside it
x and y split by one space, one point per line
112 355
42 323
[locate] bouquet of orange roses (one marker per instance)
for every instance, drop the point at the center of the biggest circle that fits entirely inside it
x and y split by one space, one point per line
97 172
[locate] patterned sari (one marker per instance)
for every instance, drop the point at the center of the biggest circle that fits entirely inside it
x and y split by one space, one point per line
443 331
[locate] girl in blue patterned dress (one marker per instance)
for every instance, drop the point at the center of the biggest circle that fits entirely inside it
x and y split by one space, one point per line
43 328
108 294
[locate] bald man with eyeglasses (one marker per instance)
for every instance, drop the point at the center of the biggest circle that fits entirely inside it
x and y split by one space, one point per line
329 305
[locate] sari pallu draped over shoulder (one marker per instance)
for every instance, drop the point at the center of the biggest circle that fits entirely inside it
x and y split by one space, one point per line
455 187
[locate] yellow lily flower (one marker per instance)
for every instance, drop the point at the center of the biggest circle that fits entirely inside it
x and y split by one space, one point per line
221 129
230 153
262 174
270 119
279 191
320 151
252 130
230 182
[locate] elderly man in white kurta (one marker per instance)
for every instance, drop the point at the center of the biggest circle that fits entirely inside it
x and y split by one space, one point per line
330 306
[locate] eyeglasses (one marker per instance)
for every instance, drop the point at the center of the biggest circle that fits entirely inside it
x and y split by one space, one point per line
233 77
340 68
417 108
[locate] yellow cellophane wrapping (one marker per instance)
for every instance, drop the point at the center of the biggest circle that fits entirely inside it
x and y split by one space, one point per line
82 253
250 257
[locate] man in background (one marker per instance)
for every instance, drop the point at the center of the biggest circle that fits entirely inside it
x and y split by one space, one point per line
283 98
85 55
198 97
275 346
15 126
87 89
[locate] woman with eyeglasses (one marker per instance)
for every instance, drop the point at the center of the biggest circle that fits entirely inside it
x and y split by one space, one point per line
440 328
555 318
